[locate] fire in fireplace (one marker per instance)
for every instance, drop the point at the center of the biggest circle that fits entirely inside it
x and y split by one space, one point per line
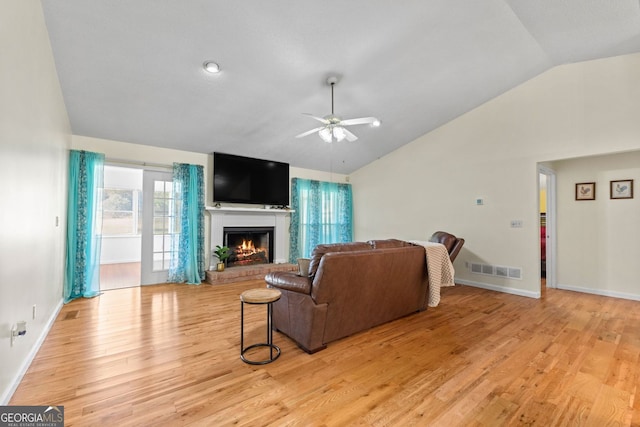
249 245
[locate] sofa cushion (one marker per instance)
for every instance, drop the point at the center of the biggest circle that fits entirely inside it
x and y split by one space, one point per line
320 250
389 243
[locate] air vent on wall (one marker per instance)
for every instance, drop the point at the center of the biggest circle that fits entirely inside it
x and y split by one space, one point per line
496 270
487 269
515 273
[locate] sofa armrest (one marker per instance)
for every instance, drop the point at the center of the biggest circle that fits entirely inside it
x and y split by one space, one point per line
289 281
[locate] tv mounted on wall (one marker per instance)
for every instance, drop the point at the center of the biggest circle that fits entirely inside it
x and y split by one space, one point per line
238 179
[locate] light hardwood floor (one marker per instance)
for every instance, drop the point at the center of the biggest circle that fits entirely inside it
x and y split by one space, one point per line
169 355
118 276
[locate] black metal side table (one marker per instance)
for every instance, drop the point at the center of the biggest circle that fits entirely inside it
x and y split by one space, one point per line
259 296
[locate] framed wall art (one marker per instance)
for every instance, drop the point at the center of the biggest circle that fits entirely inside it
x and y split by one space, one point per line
621 189
586 191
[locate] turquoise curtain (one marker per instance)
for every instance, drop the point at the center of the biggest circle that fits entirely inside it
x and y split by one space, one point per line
323 213
84 225
187 262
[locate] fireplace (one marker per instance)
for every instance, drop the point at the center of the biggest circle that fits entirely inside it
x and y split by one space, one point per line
249 245
226 216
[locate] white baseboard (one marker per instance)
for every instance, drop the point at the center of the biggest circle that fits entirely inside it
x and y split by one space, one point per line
120 261
602 292
498 288
6 394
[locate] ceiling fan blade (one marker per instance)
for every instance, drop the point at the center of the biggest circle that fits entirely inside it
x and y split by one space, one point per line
309 132
320 119
350 136
360 121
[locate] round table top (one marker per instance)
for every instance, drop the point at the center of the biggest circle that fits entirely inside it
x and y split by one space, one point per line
260 296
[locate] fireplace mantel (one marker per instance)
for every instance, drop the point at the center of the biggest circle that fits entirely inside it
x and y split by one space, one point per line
227 216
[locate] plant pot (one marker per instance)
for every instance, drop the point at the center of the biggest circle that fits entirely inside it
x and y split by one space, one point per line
220 266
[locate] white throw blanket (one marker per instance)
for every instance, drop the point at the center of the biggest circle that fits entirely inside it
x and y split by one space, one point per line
441 272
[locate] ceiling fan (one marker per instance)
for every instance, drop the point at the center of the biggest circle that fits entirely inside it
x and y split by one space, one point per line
333 126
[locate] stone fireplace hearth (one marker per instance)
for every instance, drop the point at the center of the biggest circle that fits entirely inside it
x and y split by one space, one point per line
240 274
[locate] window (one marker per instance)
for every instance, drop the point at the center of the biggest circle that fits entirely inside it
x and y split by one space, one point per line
322 214
121 212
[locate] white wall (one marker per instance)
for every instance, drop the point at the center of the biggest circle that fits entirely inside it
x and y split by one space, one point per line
492 152
34 142
599 240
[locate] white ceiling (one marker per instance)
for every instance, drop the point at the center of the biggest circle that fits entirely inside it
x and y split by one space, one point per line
132 70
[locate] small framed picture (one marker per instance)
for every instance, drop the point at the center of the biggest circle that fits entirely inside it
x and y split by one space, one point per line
586 191
622 189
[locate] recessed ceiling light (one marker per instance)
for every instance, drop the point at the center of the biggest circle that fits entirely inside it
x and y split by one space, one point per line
211 67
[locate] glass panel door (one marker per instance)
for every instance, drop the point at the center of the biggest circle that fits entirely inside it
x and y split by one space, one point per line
158 226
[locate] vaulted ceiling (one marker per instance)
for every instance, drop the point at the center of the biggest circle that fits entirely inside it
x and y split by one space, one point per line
132 71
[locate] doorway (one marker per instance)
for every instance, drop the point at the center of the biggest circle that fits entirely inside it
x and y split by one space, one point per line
547 227
120 253
136 224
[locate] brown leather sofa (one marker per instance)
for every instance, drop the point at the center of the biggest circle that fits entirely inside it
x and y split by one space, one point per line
351 287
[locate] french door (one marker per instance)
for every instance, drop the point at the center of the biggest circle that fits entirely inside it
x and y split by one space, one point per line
158 226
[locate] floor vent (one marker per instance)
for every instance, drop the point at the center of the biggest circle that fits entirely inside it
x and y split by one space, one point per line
496 270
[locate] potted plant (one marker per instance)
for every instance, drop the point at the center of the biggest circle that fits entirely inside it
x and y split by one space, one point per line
222 253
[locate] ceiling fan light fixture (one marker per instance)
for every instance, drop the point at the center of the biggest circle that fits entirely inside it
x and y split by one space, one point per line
325 134
338 133
334 127
211 67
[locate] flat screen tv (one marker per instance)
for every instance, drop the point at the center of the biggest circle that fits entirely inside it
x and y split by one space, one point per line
238 179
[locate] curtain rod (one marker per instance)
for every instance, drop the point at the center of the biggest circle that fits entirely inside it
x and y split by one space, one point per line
137 163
